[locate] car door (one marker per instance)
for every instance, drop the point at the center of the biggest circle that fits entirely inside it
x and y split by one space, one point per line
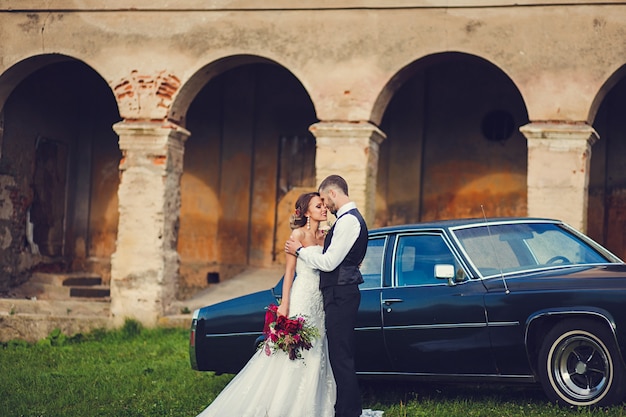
429 325
371 355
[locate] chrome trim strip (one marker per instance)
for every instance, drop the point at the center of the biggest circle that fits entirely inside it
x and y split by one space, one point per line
410 327
495 222
453 325
233 334
503 324
497 376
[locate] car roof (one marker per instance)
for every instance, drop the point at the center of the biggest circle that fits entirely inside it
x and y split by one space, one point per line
452 223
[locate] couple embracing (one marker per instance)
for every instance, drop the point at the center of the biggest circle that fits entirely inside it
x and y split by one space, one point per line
323 382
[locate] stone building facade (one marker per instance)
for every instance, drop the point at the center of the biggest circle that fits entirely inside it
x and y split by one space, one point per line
162 144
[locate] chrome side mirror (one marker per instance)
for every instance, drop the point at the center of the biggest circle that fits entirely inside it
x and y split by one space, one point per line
447 272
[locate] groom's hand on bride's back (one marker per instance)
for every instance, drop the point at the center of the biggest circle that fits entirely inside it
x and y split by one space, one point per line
292 245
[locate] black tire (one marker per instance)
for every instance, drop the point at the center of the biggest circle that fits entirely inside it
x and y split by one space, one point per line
580 365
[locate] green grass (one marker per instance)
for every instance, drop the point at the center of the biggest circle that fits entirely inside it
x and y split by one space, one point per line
402 399
146 372
130 372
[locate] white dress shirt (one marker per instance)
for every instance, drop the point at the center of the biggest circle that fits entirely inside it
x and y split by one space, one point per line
347 230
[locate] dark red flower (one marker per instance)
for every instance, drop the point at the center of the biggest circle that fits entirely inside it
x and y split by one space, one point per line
290 335
291 326
270 317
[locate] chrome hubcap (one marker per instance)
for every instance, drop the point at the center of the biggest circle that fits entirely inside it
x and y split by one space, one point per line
581 367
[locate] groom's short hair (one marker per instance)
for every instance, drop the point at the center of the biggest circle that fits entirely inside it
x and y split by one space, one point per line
334 181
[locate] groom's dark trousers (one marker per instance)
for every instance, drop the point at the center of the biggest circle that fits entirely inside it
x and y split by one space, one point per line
341 303
340 289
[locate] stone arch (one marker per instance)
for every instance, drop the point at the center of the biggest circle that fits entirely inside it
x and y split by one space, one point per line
606 213
604 90
453 144
250 153
406 72
61 156
15 74
206 73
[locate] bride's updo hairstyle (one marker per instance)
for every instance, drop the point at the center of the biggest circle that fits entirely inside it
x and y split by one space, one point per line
298 219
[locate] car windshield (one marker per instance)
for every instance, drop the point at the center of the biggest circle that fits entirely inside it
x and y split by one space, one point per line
509 248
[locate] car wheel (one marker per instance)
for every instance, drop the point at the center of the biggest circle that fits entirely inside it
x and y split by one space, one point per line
580 365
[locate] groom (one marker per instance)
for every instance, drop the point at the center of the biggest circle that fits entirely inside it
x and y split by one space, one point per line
344 250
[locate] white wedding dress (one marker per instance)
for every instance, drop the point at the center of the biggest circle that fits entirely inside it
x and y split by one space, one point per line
275 386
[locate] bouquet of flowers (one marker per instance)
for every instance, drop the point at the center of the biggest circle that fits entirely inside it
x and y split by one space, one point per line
290 335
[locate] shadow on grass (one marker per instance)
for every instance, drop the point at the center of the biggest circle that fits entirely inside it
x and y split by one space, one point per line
393 392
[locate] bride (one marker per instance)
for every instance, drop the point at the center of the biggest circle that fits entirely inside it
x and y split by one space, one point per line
276 386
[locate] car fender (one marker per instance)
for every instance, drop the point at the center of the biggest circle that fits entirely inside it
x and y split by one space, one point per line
540 321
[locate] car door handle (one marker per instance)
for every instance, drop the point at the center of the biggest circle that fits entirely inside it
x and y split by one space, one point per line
390 301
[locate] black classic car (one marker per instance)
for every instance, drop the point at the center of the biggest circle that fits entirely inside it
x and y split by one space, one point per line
505 300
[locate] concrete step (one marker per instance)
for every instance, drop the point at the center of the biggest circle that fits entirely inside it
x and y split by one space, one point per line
93 291
66 278
82 281
63 286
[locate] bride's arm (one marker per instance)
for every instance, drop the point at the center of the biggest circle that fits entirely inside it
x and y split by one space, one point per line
290 272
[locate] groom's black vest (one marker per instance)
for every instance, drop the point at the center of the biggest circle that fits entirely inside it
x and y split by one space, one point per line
348 270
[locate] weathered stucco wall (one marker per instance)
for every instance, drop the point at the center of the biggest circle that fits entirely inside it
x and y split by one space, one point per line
344 70
401 87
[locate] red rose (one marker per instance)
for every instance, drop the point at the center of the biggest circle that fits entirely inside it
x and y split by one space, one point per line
292 326
281 322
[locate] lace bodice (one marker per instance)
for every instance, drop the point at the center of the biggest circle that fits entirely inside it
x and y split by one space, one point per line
306 298
302 267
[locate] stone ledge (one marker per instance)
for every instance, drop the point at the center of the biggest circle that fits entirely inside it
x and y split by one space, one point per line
60 308
179 320
31 320
34 327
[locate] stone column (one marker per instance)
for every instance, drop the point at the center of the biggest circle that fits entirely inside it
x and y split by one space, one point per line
559 155
350 150
144 267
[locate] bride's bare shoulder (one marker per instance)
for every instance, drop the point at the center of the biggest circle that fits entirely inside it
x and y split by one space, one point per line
298 234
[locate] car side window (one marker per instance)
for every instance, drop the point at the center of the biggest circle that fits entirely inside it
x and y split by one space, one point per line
372 265
416 257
